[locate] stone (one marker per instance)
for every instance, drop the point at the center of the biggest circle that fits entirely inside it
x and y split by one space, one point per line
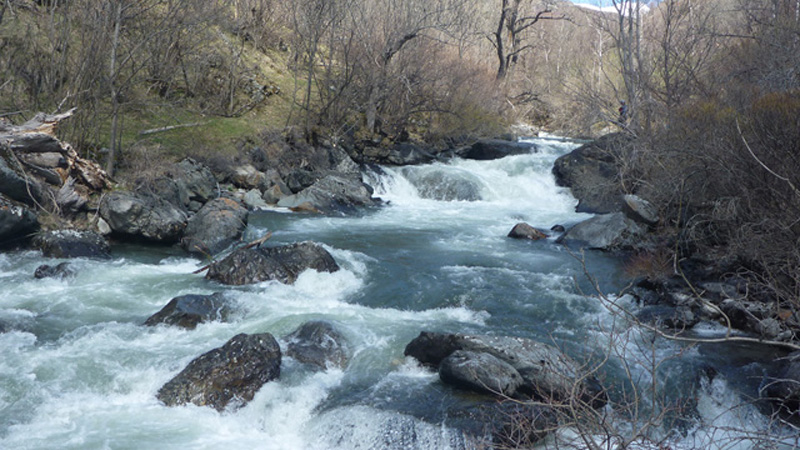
639 209
195 181
17 223
228 376
61 271
524 231
72 244
141 216
488 149
214 228
253 199
480 372
319 344
783 386
605 232
334 194
283 264
188 311
247 177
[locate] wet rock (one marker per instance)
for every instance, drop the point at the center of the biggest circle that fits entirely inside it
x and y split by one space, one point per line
546 372
398 154
590 171
334 194
61 271
524 231
487 149
17 223
479 372
187 311
605 232
284 264
142 216
72 244
275 193
217 225
300 179
228 375
639 209
253 199
320 344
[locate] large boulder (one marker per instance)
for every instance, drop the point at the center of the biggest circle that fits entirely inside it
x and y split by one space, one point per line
591 171
545 371
480 372
60 271
72 244
143 216
217 225
319 344
605 232
400 154
195 181
487 149
187 311
231 373
284 264
334 194
17 223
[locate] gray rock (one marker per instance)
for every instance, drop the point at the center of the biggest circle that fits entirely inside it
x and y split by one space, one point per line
253 199
229 375
300 179
195 181
639 209
769 328
320 344
487 149
521 425
72 244
142 216
524 231
480 372
400 154
247 177
605 232
546 372
19 188
680 318
17 223
591 172
275 193
284 264
62 270
334 194
187 311
783 387
217 225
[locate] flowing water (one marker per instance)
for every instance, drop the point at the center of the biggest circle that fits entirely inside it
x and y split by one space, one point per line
79 371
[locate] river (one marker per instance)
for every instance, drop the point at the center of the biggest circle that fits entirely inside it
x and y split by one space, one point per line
79 371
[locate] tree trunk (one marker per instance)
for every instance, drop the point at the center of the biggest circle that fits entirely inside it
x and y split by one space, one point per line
112 154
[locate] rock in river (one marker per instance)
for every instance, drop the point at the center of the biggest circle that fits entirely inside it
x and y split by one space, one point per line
187 311
231 373
72 244
318 343
284 264
217 225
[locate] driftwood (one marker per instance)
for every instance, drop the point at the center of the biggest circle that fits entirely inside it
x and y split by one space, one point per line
33 149
251 244
170 127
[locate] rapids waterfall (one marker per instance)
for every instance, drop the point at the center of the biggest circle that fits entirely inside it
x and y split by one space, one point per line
79 371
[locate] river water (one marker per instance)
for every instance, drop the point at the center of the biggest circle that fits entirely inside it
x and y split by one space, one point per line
79 371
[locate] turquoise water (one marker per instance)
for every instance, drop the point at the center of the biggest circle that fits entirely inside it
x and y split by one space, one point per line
80 371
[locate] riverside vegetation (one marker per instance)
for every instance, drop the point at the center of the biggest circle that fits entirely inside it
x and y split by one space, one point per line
198 110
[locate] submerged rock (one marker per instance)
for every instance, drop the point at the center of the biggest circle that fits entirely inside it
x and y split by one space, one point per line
229 374
62 270
524 231
545 371
318 343
72 244
215 227
187 311
284 264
